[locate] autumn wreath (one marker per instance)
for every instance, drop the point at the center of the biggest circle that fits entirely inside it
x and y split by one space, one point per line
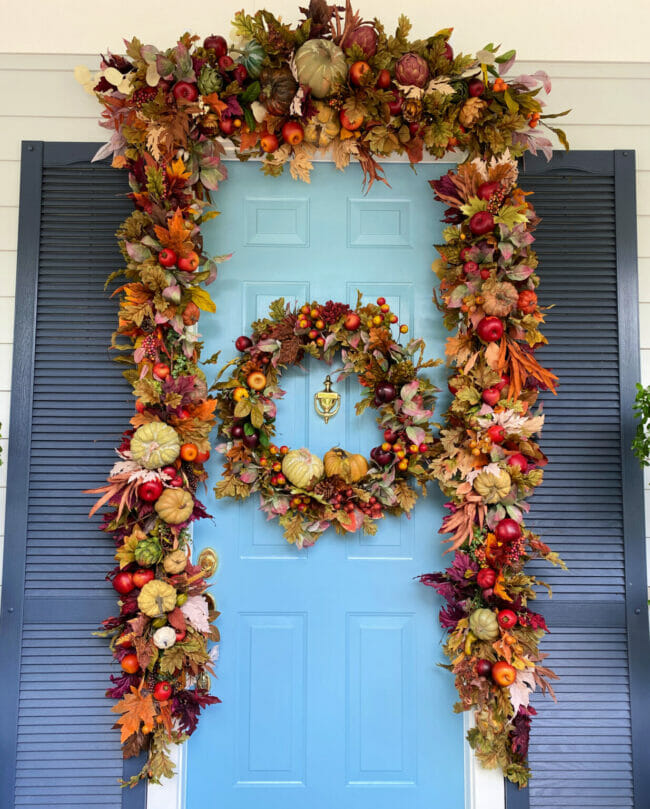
305 493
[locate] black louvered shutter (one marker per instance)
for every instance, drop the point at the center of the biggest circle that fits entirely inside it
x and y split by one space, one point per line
590 506
69 406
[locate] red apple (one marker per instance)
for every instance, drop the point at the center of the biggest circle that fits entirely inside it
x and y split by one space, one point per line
485 274
123 583
251 441
385 392
449 51
150 490
507 530
167 257
395 106
180 634
384 457
186 91
506 618
217 44
161 370
189 263
486 577
243 342
237 431
481 223
464 253
503 673
483 668
170 471
357 70
452 388
202 457
269 142
293 133
140 406
486 190
176 482
518 460
352 321
142 576
225 62
227 126
162 690
240 73
475 87
470 267
496 433
505 380
491 396
383 80
490 329
351 124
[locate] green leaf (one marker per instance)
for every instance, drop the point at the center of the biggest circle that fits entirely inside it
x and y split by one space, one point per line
561 136
250 94
511 104
474 206
510 216
242 409
505 57
277 309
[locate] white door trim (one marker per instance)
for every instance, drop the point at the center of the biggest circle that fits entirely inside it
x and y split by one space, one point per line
484 789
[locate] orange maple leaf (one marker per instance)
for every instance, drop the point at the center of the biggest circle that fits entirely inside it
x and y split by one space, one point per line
176 236
137 710
215 103
205 410
248 139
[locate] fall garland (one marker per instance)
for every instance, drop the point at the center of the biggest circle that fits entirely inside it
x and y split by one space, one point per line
282 93
305 494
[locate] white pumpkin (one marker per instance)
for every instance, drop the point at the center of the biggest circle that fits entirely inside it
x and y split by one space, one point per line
302 468
164 638
155 444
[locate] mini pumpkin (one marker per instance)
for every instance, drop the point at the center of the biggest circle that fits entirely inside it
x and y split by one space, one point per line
484 624
175 562
156 598
174 506
321 64
164 638
493 487
350 467
302 468
154 445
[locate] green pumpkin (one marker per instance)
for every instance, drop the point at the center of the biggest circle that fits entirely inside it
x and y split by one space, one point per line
148 552
484 624
252 57
321 65
210 81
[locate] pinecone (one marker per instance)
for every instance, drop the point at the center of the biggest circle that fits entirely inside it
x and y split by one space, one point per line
412 110
328 487
210 81
290 343
332 312
471 111
141 96
192 480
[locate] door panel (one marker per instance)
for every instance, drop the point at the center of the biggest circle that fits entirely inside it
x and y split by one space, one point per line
331 694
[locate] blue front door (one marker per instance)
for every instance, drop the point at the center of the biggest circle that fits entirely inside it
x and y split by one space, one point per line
331 694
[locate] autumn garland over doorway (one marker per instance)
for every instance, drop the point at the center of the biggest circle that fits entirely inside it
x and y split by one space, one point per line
332 83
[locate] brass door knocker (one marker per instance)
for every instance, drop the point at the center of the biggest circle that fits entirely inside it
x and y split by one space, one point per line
327 401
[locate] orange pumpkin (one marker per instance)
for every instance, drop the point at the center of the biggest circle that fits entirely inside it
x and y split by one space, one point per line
350 467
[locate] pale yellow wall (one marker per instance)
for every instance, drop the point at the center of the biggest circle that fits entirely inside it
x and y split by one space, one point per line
41 101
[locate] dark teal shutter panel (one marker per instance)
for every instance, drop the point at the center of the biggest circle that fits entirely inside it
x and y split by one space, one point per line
581 748
67 754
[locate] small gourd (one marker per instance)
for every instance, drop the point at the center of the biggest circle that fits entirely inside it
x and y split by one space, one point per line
483 623
302 468
174 506
154 445
156 598
346 465
175 562
321 64
493 487
164 638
